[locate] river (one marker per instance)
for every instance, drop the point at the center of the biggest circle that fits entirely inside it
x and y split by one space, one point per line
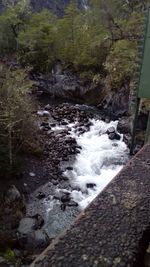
98 160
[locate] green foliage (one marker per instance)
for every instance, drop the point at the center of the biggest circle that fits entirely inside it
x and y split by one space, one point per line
101 40
37 41
12 21
120 63
10 255
16 119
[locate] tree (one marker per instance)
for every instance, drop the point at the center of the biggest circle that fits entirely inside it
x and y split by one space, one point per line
16 119
67 29
121 63
12 21
37 41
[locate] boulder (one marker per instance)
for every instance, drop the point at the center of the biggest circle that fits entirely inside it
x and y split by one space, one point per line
114 136
43 113
29 236
111 130
26 226
41 239
90 185
12 195
65 198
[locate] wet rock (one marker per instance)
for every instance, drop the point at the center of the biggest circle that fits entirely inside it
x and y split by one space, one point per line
65 198
32 174
53 124
41 239
54 182
69 168
45 124
39 220
111 130
107 120
43 113
73 204
64 123
69 86
64 178
115 145
12 195
40 195
29 237
63 207
26 226
47 107
70 140
114 136
90 185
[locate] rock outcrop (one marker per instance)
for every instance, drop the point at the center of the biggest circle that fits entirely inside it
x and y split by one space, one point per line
70 87
56 6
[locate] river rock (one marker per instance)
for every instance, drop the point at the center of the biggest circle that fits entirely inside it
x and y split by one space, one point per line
12 195
111 130
26 226
40 195
41 239
114 136
43 113
29 237
90 185
39 220
65 198
69 168
47 107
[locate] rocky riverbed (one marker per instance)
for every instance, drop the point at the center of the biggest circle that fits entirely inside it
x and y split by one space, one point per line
64 179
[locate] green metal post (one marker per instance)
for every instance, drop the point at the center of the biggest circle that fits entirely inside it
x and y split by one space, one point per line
134 126
148 129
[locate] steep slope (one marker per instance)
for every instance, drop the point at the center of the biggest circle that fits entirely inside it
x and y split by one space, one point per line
56 6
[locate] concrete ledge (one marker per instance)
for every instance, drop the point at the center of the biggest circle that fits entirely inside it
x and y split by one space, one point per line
114 230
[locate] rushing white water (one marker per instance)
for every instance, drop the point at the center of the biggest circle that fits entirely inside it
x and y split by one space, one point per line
99 161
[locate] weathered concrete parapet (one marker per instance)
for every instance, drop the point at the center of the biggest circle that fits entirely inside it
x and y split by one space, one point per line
114 230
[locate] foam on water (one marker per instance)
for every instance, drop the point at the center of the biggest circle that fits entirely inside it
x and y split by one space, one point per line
98 162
